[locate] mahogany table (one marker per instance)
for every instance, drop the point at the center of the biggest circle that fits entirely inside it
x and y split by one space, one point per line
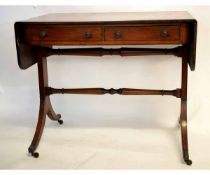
36 37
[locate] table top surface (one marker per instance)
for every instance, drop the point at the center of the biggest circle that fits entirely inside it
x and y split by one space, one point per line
112 16
27 52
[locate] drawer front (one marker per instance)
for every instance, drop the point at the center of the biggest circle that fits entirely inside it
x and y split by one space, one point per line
41 33
142 33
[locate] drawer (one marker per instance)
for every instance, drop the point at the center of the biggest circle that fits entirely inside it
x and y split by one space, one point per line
65 33
143 33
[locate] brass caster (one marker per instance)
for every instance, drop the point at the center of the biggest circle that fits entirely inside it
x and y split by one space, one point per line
188 162
60 122
31 150
35 154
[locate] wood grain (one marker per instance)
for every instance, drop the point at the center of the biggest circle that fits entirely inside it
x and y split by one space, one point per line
113 16
36 37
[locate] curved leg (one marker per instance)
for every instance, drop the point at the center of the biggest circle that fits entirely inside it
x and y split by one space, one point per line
39 129
51 113
45 107
183 124
183 116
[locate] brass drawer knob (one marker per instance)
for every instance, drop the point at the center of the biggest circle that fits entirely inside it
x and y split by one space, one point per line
117 35
88 35
164 33
43 34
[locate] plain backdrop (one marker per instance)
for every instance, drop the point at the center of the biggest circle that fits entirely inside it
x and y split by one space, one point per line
109 131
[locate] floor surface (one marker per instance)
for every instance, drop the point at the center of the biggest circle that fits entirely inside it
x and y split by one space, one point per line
69 147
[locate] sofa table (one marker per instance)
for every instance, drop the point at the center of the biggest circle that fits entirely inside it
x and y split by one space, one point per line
36 37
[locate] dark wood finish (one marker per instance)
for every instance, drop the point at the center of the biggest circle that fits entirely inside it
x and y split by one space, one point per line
143 33
45 106
46 34
114 17
63 33
119 51
35 38
122 91
29 31
183 115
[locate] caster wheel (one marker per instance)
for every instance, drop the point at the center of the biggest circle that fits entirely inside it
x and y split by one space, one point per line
35 155
188 162
60 122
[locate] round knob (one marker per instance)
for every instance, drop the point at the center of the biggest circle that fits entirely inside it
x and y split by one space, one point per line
42 34
88 35
164 33
117 35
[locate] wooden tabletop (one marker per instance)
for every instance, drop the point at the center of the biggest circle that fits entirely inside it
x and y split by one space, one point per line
113 16
69 29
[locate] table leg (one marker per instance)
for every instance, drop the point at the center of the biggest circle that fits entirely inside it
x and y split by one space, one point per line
183 115
45 107
51 113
